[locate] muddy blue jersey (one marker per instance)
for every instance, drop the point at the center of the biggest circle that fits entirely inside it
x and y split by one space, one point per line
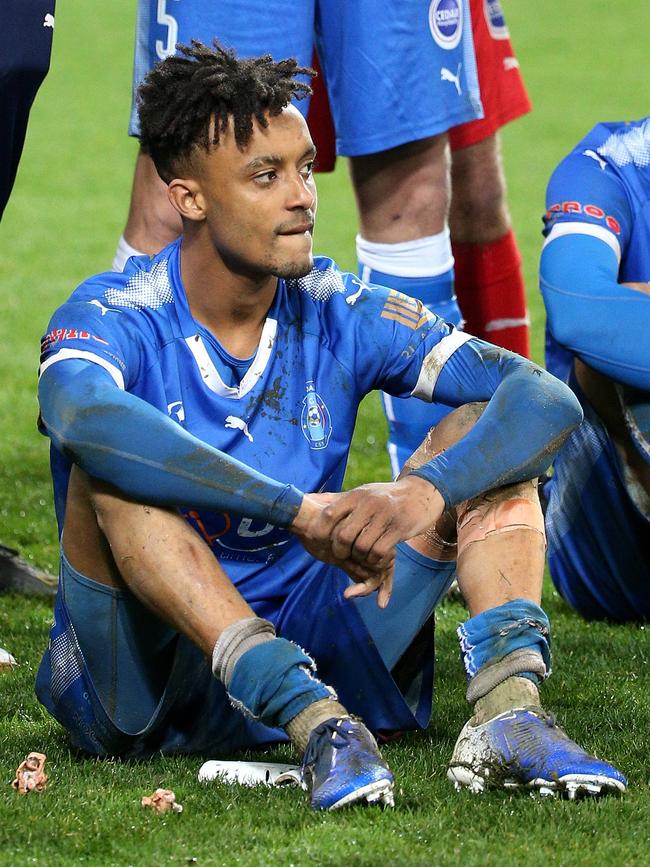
288 412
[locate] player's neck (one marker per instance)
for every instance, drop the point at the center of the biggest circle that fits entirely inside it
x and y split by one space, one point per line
233 306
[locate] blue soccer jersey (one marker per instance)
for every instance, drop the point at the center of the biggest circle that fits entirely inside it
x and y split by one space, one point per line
602 190
597 228
327 341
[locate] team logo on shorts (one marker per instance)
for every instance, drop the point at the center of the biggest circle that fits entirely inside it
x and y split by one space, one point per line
446 22
315 420
495 19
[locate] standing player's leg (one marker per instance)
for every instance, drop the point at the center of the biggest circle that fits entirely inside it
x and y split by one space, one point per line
152 222
26 28
391 119
488 275
175 584
402 198
26 44
489 280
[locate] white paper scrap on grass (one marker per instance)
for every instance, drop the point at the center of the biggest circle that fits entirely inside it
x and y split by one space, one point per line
6 659
251 773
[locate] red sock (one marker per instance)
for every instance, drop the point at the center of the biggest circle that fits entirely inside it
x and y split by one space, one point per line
491 293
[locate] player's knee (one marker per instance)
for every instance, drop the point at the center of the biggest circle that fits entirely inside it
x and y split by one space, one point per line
403 193
479 210
502 510
448 431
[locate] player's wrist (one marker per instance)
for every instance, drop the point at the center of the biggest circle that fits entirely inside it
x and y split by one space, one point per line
306 513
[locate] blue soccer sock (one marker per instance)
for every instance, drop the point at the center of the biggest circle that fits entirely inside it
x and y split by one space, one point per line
419 583
510 640
422 269
274 681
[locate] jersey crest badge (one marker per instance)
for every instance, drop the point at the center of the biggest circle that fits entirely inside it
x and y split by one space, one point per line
315 420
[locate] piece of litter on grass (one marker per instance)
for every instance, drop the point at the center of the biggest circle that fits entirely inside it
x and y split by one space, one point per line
251 773
30 776
162 801
7 661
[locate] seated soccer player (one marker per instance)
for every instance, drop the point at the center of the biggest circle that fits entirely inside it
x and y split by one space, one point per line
207 600
594 276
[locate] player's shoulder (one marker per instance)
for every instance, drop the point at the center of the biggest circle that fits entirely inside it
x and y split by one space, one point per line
329 290
604 180
341 308
617 151
144 285
138 303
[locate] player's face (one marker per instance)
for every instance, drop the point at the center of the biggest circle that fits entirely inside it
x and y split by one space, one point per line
261 201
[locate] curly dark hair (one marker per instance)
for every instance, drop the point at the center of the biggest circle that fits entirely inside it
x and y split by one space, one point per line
186 100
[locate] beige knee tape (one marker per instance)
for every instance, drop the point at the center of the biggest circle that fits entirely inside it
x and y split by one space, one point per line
498 516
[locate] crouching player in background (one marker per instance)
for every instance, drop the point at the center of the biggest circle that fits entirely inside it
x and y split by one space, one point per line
204 603
595 273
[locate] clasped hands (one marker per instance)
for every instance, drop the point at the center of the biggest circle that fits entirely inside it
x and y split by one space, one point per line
357 530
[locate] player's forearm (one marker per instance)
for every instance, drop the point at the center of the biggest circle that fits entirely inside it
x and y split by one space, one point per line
589 312
526 420
121 439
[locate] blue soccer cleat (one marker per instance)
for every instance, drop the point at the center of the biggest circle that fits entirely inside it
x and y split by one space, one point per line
343 765
527 749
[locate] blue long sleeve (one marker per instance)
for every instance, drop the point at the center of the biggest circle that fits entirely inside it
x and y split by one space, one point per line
590 313
529 415
119 438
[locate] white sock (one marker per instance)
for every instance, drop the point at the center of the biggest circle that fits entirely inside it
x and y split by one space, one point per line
124 251
423 257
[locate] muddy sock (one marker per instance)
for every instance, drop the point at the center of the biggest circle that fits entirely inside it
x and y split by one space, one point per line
515 692
302 725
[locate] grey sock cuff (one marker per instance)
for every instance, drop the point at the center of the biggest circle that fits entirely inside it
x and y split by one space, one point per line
234 641
492 674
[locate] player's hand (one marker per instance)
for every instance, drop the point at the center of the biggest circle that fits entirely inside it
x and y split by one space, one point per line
314 535
365 524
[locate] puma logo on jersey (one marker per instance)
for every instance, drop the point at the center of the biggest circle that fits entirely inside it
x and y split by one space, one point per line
510 63
104 310
49 21
594 156
352 299
238 423
448 75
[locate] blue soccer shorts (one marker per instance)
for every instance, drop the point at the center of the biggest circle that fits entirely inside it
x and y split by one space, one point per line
396 70
598 538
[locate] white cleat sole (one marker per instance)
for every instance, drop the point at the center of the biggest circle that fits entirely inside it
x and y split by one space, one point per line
571 786
379 793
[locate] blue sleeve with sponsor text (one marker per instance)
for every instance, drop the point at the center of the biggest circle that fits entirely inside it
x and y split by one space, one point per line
582 191
89 330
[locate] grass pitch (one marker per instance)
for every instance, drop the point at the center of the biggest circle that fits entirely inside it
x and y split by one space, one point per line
583 62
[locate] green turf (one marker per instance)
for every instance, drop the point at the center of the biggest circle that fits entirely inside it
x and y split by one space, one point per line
583 61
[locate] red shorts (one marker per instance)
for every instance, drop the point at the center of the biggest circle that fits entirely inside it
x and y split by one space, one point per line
503 93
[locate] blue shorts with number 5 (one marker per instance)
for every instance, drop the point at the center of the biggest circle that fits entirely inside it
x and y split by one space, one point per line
396 70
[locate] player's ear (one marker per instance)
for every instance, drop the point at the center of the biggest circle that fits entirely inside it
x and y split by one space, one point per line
186 197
